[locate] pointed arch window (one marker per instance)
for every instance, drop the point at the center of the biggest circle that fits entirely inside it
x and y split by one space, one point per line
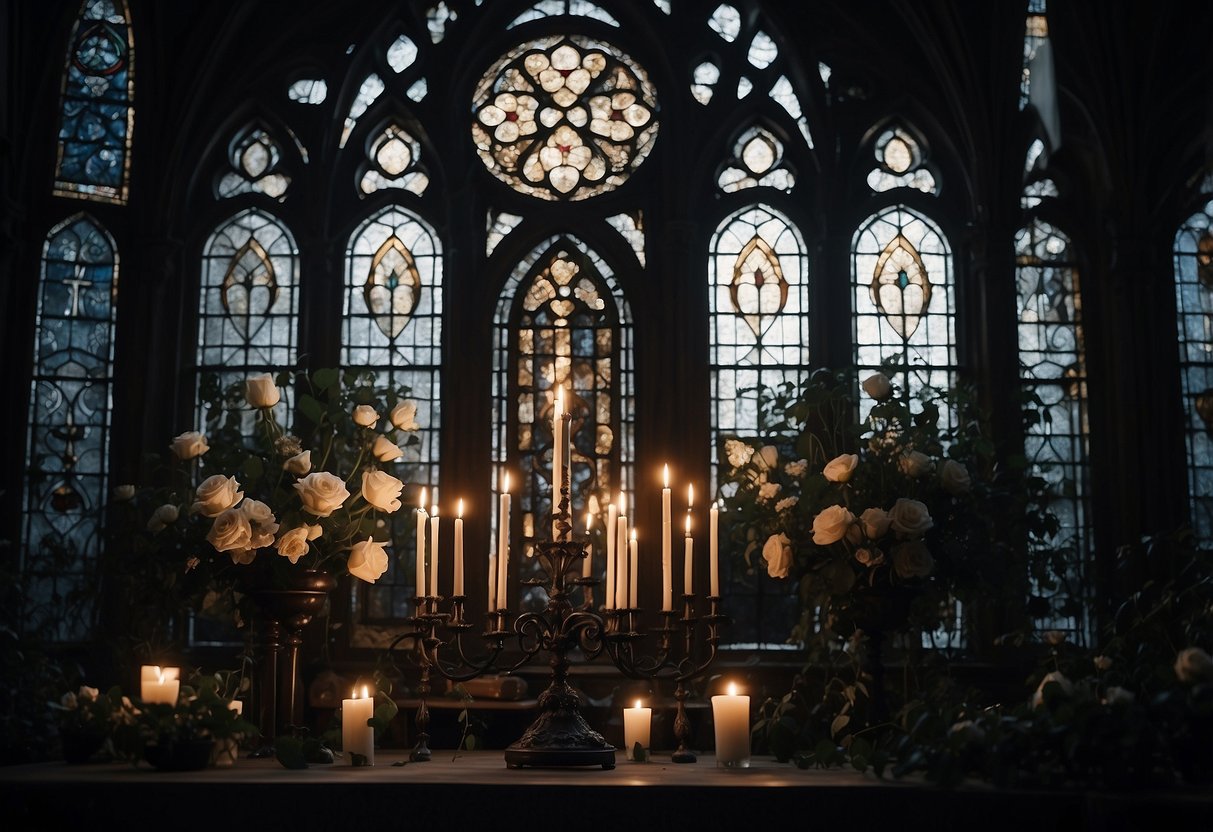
97 113
255 160
1193 258
899 163
393 161
67 448
561 320
758 161
905 305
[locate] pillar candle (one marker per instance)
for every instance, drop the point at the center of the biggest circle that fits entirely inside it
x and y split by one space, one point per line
637 728
587 565
731 716
688 584
434 552
714 549
503 543
356 736
492 590
421 546
667 544
159 685
557 461
611 533
633 595
457 588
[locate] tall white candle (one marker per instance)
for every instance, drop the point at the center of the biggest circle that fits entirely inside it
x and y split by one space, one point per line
714 549
633 594
667 544
731 716
688 584
434 551
357 737
557 461
159 685
587 565
621 555
457 588
503 543
637 729
421 546
611 533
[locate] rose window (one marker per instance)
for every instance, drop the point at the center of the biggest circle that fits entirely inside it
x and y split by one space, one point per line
564 118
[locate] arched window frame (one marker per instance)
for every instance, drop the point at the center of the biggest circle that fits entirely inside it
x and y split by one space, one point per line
1193 268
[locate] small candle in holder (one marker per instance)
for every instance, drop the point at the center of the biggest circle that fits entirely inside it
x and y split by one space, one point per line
731 716
357 737
637 730
159 685
587 565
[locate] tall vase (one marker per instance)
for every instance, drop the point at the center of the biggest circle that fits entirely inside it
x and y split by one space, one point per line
284 608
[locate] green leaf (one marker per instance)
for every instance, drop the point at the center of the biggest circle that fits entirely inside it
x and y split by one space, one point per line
469 743
841 721
326 378
312 409
252 467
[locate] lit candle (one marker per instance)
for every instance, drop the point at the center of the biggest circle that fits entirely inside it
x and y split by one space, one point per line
688 585
587 565
637 730
421 546
434 550
503 542
357 737
159 685
667 544
457 589
714 549
557 461
731 716
611 533
621 555
633 595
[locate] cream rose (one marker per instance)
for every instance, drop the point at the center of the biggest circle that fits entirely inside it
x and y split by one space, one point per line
1193 665
915 464
912 559
314 531
797 469
382 490
322 493
86 692
123 493
231 530
299 465
261 391
768 491
404 416
831 525
293 545
766 459
368 560
216 494
777 552
840 468
875 522
167 514
365 415
954 477
910 518
262 521
385 450
738 452
878 386
189 445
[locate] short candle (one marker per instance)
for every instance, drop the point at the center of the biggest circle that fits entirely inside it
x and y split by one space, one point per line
159 685
731 716
637 729
357 737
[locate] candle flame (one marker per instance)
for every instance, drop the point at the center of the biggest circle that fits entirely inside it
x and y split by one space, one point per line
637 705
688 524
633 534
460 508
622 505
506 487
589 521
690 496
665 475
159 676
434 510
365 695
732 688
421 502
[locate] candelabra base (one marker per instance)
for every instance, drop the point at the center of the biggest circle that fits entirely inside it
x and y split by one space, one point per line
560 738
683 756
516 757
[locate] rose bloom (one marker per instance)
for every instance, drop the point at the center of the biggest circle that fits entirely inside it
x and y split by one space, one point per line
840 468
831 525
299 464
216 494
242 556
293 544
189 445
231 530
122 493
385 450
768 491
766 459
365 415
878 386
915 464
1193 665
738 452
322 493
875 522
314 531
796 469
368 560
404 416
777 552
167 514
261 391
381 490
910 518
262 521
912 559
954 477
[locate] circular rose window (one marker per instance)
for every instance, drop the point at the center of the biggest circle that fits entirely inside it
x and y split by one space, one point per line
564 117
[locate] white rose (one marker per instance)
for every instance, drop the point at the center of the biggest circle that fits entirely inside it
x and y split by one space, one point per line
875 522
915 464
322 493
314 531
1119 696
404 416
293 544
787 503
365 415
910 518
385 450
831 525
768 491
766 459
368 560
954 477
261 391
1193 665
1066 685
878 386
777 552
123 493
382 490
189 445
912 559
262 520
231 530
738 452
796 469
840 468
86 692
68 701
243 556
216 494
167 514
299 464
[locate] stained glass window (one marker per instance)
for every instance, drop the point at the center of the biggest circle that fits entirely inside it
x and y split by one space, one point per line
703 81
392 326
308 91
499 224
249 302
564 118
726 22
1036 36
552 8
905 306
97 117
255 166
561 321
762 50
899 163
631 228
1194 303
1052 366
401 54
783 94
371 89
394 162
69 418
436 20
757 162
418 89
